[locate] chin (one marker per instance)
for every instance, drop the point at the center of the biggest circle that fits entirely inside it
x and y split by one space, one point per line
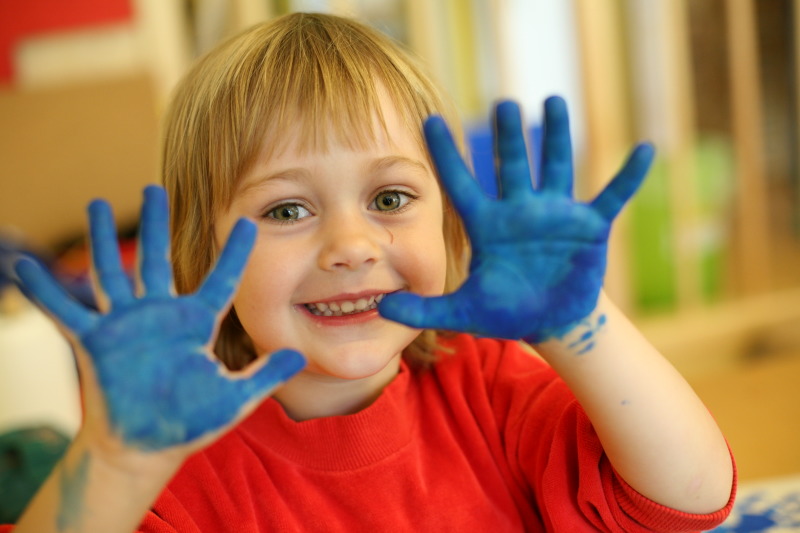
355 366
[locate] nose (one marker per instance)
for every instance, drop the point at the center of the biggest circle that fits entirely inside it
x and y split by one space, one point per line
351 242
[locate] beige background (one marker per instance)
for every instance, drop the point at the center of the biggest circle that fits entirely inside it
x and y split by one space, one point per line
61 147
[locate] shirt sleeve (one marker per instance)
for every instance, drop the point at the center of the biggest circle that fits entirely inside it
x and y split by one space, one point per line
554 450
168 516
645 511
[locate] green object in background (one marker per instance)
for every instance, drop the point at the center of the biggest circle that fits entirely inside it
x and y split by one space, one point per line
653 247
27 456
652 251
715 178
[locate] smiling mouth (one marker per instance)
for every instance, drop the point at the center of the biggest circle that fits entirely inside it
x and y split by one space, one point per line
344 307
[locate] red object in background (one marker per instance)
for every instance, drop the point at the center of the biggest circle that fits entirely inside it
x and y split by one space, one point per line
23 18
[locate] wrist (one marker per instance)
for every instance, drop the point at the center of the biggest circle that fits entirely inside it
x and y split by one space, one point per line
575 331
121 463
97 487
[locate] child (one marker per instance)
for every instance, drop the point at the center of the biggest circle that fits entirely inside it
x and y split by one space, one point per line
297 144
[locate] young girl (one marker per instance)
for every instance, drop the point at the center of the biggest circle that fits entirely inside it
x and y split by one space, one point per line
296 169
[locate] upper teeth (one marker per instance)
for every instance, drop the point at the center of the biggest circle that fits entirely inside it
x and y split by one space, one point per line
344 307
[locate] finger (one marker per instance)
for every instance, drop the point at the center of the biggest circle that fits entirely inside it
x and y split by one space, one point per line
279 367
556 170
611 200
221 283
154 266
514 169
113 281
439 312
225 397
464 190
52 296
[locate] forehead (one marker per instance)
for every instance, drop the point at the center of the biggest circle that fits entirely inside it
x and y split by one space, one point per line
381 142
384 125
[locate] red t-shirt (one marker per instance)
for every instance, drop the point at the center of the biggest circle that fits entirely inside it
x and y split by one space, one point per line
489 439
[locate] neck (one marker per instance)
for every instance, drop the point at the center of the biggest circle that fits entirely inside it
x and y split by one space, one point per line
315 395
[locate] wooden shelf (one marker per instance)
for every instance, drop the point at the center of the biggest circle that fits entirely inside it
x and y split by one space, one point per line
723 336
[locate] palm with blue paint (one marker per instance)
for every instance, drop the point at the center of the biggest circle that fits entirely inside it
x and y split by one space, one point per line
538 255
151 354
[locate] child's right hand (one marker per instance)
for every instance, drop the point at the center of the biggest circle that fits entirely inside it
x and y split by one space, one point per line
149 378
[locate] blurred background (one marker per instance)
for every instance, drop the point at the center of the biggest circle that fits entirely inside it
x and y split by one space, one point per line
706 259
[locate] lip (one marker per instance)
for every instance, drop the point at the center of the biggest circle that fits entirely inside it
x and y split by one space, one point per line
344 320
338 321
351 296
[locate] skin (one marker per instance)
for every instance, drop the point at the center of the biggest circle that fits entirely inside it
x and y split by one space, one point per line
537 274
138 427
338 244
140 341
539 256
341 248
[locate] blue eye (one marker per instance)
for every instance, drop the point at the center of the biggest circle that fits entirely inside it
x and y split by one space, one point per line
288 213
389 201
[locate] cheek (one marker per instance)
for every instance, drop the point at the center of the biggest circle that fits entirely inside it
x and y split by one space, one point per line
424 262
262 302
266 284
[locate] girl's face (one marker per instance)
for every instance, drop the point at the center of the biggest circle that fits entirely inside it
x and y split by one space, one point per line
337 231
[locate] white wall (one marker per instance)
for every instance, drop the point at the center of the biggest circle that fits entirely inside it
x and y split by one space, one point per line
38 379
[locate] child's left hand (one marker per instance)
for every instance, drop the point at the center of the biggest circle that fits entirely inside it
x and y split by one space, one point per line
538 255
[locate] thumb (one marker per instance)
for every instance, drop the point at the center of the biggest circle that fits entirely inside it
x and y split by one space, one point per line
438 312
273 371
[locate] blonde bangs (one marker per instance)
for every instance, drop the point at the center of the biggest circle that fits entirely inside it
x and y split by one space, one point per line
321 77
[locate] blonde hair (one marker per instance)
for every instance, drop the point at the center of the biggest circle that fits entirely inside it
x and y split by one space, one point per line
300 70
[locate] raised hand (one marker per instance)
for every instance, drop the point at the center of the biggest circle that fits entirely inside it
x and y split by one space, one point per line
151 354
538 256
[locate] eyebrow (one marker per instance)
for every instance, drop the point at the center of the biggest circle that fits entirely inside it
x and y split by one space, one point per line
379 165
386 163
290 174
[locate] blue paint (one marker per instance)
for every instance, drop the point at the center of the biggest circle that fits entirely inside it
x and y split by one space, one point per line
539 256
72 488
583 338
105 254
762 511
162 386
480 138
588 347
586 342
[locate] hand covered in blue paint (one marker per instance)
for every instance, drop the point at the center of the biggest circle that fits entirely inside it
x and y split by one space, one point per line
538 255
150 355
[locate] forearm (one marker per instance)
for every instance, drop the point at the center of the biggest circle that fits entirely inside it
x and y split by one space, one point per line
656 432
91 491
